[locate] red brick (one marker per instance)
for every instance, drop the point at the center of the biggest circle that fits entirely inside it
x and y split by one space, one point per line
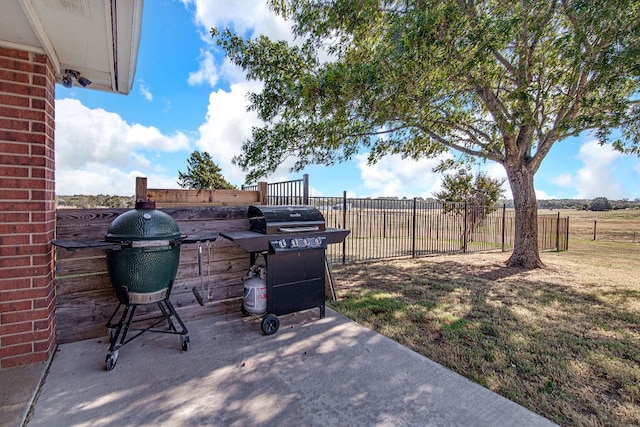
24 316
22 136
18 172
21 305
46 216
14 239
29 228
10 288
8 217
23 359
14 124
18 272
14 53
14 101
45 302
38 127
23 250
15 350
21 113
44 347
14 148
12 76
13 262
15 328
43 173
13 64
27 337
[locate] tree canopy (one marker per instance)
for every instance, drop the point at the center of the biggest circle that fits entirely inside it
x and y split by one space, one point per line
203 173
496 80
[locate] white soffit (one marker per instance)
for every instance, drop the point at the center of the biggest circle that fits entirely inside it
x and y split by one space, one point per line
97 38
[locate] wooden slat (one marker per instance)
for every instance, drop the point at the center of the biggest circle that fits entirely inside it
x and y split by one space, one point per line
164 197
85 298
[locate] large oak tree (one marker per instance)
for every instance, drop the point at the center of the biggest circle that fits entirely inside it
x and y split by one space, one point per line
497 79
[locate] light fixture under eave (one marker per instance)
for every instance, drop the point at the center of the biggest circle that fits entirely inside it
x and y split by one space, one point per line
70 75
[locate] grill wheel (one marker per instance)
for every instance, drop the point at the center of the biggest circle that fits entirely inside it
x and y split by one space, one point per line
270 324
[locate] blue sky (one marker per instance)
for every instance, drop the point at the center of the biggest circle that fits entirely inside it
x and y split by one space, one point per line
186 96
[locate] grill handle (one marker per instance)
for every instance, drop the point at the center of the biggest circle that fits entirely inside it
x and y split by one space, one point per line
298 229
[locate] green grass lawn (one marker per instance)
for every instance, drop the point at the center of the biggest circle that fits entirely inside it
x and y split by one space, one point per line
563 341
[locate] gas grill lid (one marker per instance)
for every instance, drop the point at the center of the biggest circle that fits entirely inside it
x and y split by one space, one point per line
285 219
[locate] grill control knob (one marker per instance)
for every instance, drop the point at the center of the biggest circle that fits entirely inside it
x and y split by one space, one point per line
282 243
305 242
294 243
318 241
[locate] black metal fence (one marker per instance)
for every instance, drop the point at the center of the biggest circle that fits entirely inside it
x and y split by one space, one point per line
295 192
390 228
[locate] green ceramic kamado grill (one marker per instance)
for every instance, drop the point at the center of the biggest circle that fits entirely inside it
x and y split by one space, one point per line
143 253
142 271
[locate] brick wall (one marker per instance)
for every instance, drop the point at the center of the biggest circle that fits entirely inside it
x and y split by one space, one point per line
27 208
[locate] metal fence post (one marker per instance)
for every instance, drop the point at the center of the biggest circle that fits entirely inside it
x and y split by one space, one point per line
413 233
558 233
464 232
305 189
504 223
344 225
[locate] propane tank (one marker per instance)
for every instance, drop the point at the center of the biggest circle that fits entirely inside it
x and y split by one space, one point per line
255 290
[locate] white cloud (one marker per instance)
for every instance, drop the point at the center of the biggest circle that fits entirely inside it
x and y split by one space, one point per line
145 91
247 18
85 135
563 180
244 16
95 179
98 152
394 176
207 73
596 178
541 195
227 125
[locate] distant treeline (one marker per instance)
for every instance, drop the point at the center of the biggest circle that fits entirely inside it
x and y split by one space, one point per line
100 201
600 203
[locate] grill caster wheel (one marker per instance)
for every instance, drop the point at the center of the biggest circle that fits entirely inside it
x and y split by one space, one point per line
184 342
111 360
270 324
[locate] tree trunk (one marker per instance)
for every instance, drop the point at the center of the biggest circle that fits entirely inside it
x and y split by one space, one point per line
525 251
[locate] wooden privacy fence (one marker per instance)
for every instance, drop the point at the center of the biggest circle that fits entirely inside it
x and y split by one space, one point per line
85 298
257 195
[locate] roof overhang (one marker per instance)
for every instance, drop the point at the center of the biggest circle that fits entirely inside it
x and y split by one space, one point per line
97 38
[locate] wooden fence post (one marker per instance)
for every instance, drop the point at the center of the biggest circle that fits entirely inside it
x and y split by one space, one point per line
262 193
141 189
504 223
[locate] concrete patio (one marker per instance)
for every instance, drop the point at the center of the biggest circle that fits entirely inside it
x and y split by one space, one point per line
311 372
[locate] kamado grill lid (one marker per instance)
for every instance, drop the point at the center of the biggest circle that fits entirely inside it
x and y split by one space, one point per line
143 223
285 219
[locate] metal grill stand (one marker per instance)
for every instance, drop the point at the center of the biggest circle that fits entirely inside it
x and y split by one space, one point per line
117 332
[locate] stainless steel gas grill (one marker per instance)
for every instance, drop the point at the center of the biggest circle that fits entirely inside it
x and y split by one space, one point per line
292 240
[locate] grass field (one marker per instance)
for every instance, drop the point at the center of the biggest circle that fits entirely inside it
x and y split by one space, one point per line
563 341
